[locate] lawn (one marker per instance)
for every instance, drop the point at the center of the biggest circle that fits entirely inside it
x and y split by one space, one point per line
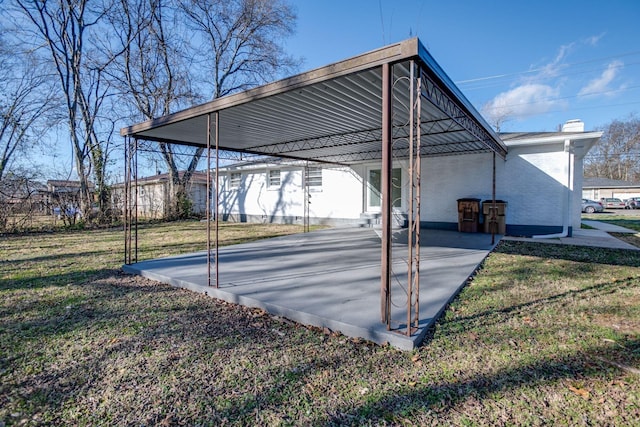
543 334
629 220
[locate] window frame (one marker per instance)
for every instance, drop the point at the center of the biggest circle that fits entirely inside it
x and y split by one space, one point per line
271 180
233 184
313 182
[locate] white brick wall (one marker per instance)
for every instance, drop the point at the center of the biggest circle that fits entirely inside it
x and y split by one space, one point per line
339 197
533 180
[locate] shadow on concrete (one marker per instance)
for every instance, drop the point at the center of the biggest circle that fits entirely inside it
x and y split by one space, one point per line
331 278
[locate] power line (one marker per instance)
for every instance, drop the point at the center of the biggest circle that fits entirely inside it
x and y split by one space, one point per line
543 78
552 99
536 70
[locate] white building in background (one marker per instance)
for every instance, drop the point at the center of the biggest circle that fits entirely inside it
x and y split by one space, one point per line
596 188
152 195
540 179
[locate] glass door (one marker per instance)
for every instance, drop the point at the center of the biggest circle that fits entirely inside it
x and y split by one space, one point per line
374 188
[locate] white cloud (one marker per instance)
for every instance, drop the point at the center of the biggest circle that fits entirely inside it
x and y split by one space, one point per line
602 84
593 40
523 101
543 88
553 68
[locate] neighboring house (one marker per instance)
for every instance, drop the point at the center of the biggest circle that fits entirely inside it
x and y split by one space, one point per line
541 181
596 188
20 195
64 195
153 195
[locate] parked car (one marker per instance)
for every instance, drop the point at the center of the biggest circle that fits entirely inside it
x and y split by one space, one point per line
612 203
591 206
632 203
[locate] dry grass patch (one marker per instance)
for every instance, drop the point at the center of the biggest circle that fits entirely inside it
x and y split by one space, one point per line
544 334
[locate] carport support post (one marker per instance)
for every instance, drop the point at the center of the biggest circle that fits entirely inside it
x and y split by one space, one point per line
210 193
494 212
135 196
208 199
385 277
217 223
125 202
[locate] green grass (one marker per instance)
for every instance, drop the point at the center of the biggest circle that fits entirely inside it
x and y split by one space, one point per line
543 334
630 222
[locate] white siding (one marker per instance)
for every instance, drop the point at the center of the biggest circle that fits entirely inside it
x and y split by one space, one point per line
533 181
339 197
447 179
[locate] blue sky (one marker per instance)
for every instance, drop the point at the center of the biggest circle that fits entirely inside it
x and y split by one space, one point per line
540 63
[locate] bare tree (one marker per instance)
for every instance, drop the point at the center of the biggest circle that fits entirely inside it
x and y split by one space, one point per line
241 41
20 200
497 116
225 46
25 97
154 73
617 155
68 29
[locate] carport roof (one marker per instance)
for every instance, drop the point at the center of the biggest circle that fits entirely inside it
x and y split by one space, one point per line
333 114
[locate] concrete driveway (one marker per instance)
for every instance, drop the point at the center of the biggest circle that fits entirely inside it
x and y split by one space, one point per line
331 278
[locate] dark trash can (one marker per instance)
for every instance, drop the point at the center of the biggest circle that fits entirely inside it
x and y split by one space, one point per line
494 222
468 215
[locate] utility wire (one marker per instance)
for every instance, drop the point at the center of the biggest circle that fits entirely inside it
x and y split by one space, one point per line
537 70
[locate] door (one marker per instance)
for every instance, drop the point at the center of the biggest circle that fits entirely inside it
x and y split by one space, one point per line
374 188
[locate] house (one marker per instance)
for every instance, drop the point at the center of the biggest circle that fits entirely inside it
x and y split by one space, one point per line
385 136
153 195
64 196
596 188
20 198
295 192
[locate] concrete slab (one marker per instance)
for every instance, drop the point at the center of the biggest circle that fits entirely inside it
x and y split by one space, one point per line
584 237
331 278
609 228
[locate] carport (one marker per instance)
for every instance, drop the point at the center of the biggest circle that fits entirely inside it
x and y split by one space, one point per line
394 103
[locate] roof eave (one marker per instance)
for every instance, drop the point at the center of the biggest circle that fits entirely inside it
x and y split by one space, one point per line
555 138
392 53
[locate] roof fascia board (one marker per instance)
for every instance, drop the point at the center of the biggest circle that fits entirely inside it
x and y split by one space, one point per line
560 138
392 53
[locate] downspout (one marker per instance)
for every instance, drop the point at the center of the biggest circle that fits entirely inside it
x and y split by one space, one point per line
567 213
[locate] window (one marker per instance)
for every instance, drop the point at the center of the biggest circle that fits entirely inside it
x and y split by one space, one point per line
274 178
375 186
313 177
235 178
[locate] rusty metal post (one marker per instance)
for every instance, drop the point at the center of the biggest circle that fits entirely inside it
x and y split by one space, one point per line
307 198
135 202
125 201
209 200
417 178
410 231
386 190
217 185
494 219
413 231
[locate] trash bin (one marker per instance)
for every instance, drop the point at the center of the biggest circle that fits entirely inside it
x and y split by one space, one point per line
468 215
494 222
